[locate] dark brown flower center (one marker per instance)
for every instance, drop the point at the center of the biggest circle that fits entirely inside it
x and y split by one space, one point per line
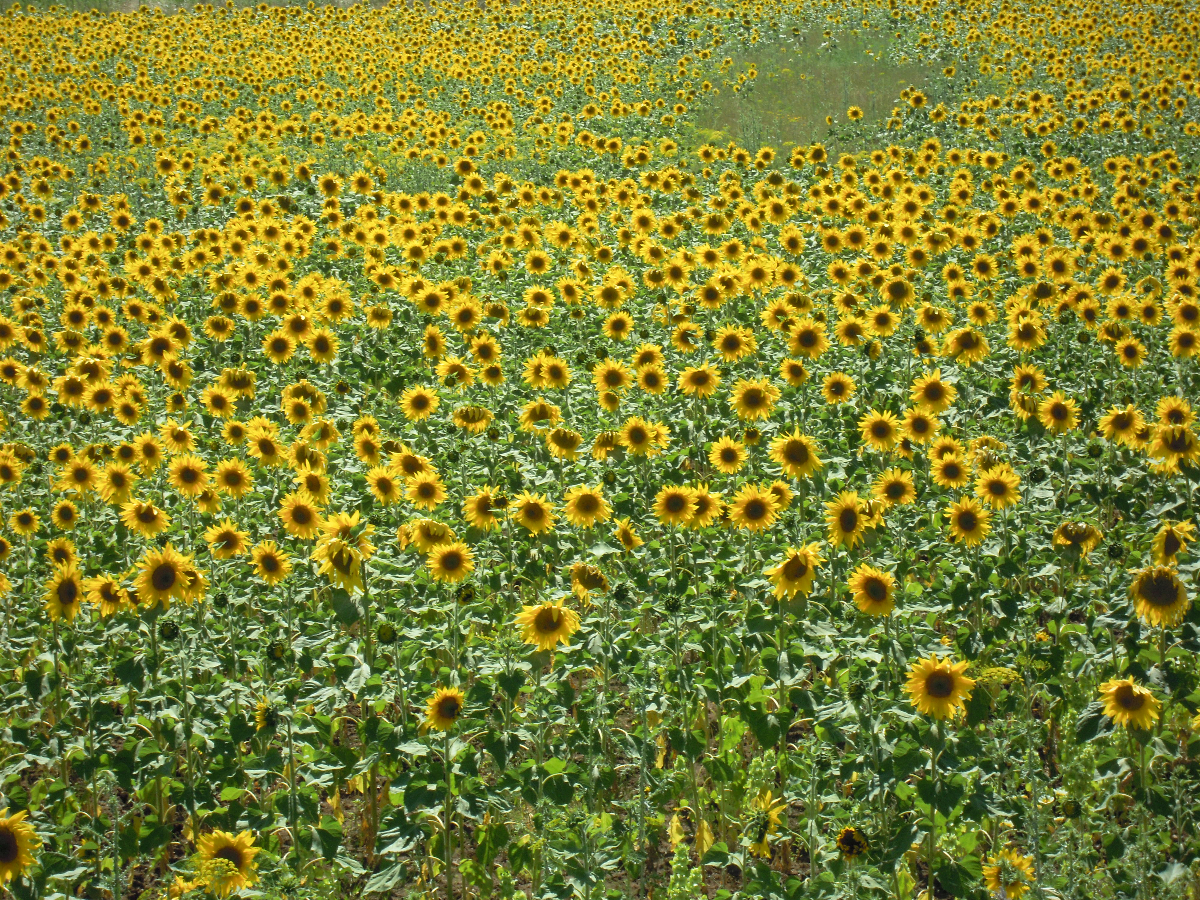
1159 590
939 685
68 593
164 577
875 589
547 619
10 848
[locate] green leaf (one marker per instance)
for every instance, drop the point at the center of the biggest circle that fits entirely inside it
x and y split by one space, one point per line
1092 723
386 880
344 607
327 838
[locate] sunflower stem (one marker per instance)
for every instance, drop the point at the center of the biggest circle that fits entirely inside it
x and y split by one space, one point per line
447 813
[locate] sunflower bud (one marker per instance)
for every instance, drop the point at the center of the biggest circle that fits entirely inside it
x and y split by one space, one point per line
386 633
167 630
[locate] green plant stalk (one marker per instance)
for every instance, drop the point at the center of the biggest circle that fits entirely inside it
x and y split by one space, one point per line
447 813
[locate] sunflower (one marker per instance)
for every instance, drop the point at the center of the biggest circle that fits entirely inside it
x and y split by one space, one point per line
796 454
226 862
563 443
938 688
532 512
539 413
699 381
626 535
970 523
872 589
106 592
444 708
188 475
1009 874
753 399
727 455
472 419
1129 704
341 561
426 492
18 843
1171 540
851 842
300 515
61 552
706 508
1057 413
1159 596
949 471
894 487
63 593
144 518
225 541
998 486
233 478
1080 537
1173 444
164 575
637 436
585 506
418 403
807 338
794 573
766 817
845 520
879 430
674 505
24 522
479 509
585 579
271 564
78 475
450 562
753 508
838 388
918 426
547 624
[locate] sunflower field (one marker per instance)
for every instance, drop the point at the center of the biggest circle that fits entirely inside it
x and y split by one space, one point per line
432 465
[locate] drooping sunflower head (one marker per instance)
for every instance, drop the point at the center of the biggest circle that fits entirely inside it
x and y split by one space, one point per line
1171 540
851 842
1159 596
1080 537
